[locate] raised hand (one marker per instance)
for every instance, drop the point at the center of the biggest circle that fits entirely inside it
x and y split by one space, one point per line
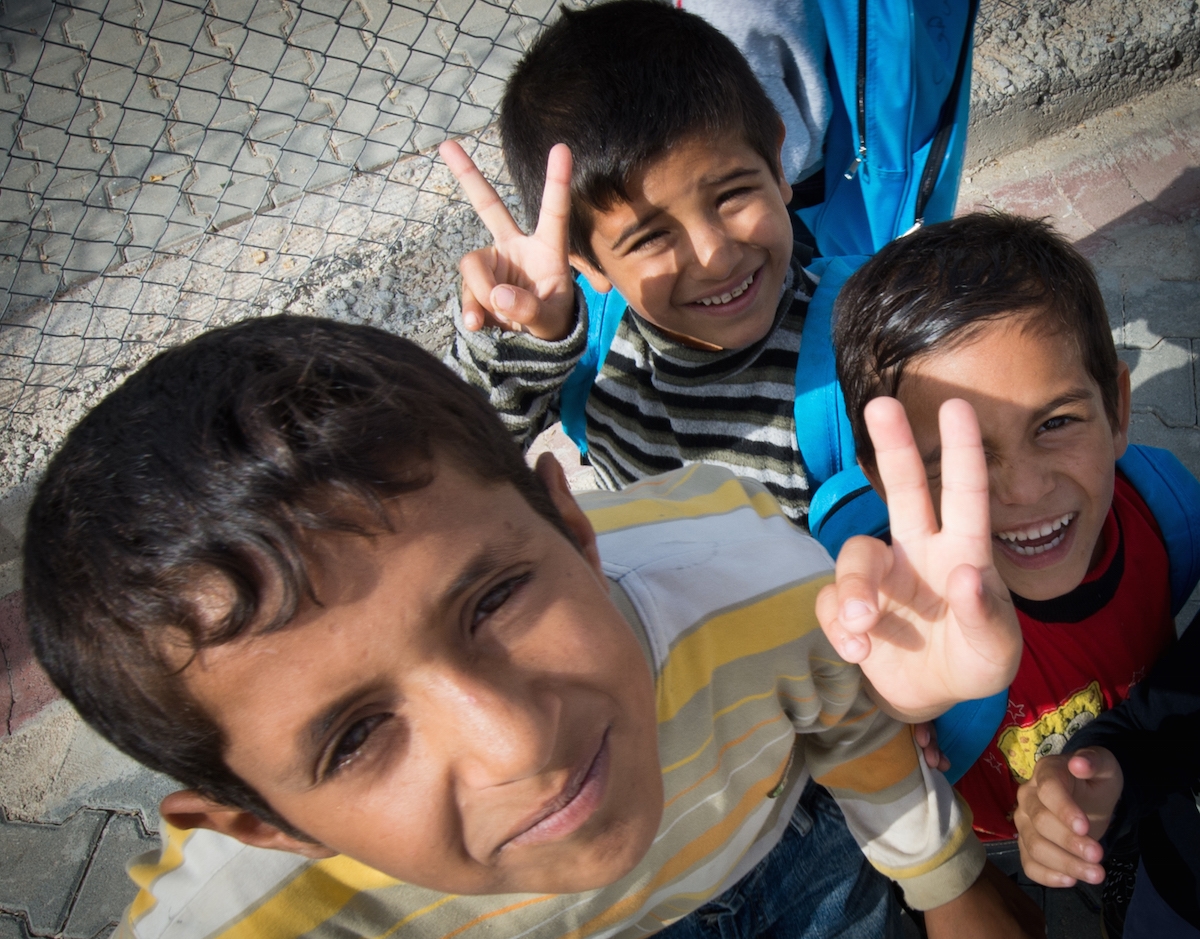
927 619
521 282
1062 811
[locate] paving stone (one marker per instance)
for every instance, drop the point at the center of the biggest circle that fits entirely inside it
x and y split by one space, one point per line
1155 309
107 889
43 865
1184 442
1163 380
12 927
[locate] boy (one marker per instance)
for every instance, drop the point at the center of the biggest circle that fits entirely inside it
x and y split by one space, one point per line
302 568
639 138
1138 764
1004 313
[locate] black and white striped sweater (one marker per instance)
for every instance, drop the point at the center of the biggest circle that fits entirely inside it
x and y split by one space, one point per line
658 405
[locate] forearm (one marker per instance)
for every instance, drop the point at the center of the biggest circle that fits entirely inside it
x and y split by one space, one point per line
992 908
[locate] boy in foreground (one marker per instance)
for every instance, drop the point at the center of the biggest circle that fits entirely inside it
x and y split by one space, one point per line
640 140
1002 312
302 568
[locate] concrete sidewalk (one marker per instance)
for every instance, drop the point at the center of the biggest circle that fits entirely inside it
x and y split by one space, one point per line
1125 185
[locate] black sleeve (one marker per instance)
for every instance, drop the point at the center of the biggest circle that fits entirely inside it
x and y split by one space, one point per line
1155 735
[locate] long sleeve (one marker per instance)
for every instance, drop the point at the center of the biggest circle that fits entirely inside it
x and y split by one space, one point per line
1155 734
520 375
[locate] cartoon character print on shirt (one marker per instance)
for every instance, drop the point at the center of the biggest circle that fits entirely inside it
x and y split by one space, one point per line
1023 746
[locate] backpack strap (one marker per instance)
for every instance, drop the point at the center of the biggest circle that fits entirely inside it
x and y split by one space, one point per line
1173 496
843 506
822 428
604 312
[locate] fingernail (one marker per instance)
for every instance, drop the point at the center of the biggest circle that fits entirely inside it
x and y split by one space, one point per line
472 321
504 298
853 610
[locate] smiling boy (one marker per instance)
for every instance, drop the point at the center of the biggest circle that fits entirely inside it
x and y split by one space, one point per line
1004 313
639 138
414 689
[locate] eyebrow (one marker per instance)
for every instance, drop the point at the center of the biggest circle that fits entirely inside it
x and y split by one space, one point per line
1074 396
705 182
482 564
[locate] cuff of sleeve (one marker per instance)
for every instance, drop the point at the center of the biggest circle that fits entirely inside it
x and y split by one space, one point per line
948 880
499 344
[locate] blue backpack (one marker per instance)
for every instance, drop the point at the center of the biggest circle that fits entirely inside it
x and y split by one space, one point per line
898 73
1173 496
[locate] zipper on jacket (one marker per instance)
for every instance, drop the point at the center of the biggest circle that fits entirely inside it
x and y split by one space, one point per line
860 92
941 140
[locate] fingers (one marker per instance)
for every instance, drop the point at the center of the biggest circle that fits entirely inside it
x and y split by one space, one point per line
555 216
910 510
1051 866
926 737
851 648
988 623
487 204
965 510
1052 828
852 602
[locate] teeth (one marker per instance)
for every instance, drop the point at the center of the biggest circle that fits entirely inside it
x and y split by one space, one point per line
1028 534
726 297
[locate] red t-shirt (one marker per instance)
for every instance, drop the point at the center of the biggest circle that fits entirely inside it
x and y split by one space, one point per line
1082 653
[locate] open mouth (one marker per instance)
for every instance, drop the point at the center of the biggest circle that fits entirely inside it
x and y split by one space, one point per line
1037 539
728 296
571 808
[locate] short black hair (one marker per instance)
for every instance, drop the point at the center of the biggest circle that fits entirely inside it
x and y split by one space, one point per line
936 288
216 460
621 83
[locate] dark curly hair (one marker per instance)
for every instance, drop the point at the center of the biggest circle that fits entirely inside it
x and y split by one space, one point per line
218 458
936 288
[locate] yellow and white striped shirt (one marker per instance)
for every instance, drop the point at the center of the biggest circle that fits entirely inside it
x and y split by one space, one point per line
719 587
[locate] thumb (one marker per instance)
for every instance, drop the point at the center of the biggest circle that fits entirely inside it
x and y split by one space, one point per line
1089 763
513 306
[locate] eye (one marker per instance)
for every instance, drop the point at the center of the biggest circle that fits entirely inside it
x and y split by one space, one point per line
733 195
1056 422
352 743
496 597
648 239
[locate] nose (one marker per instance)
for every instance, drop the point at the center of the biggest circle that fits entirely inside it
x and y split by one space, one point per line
494 726
713 249
1021 481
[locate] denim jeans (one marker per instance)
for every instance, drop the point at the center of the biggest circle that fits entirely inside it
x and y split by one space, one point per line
814 884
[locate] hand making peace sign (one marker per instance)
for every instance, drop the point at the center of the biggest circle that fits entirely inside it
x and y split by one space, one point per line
927 619
521 282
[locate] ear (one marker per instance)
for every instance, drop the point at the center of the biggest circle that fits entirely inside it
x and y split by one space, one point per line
1124 404
591 273
872 474
552 476
191 809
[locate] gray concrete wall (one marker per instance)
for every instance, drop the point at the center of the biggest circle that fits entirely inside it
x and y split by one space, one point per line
1042 65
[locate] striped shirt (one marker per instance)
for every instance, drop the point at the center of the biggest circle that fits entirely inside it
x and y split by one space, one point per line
656 404
719 588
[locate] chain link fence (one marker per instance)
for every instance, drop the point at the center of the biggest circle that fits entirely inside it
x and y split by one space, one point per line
170 165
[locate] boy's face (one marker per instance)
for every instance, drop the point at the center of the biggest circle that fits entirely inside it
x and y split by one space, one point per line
466 710
1050 447
702 247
